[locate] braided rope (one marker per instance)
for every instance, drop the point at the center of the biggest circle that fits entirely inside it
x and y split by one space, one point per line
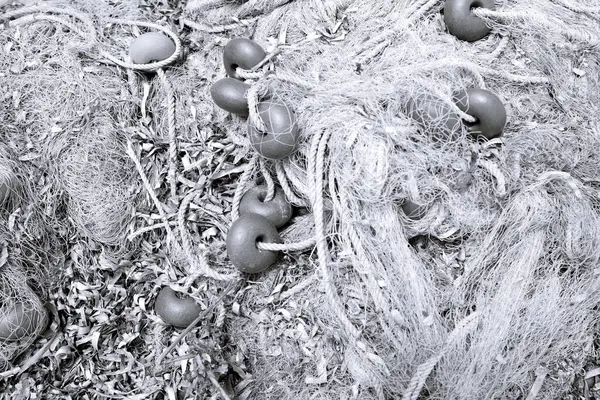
292 78
494 170
249 74
203 5
43 17
150 190
172 134
150 66
197 261
240 189
504 41
285 186
268 180
424 370
422 6
298 183
148 228
300 246
217 28
254 94
315 170
298 288
509 16
222 313
53 10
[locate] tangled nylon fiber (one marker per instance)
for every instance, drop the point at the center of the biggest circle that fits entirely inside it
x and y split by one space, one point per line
524 208
98 180
491 288
16 294
84 134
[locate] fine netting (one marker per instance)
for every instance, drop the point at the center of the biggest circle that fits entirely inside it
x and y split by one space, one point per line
76 112
491 296
98 180
22 314
493 287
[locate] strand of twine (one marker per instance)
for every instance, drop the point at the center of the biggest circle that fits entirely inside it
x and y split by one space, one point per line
511 16
367 276
254 94
315 170
254 72
298 288
220 320
495 171
424 370
371 48
199 262
285 186
203 5
241 187
422 6
268 180
217 28
292 78
171 175
43 17
589 12
499 49
55 10
300 246
149 228
149 66
548 176
150 190
476 70
298 183
250 8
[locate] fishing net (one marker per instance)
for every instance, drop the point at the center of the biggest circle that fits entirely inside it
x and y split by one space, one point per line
488 290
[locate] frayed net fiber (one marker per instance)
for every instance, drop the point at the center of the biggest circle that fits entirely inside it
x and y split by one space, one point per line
506 286
75 111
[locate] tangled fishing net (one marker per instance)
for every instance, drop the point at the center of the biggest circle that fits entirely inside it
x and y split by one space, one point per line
488 290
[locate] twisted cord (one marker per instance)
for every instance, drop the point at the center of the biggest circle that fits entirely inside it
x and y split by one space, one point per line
292 78
510 16
42 17
590 12
149 228
240 189
298 183
172 134
498 50
477 70
249 74
300 246
55 10
254 94
204 5
424 370
315 169
421 6
150 190
494 170
200 262
285 186
217 28
268 180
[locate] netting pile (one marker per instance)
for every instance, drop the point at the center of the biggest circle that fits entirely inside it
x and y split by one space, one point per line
506 285
489 291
